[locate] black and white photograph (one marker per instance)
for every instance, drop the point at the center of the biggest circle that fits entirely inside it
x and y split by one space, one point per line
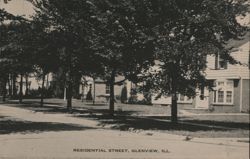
124 79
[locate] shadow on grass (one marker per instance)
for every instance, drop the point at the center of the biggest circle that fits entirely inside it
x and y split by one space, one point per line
124 123
8 126
32 102
48 108
229 125
45 109
96 104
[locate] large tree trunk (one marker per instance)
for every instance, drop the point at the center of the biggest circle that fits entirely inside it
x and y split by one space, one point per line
14 92
93 91
4 89
3 82
174 117
112 94
42 90
76 88
69 96
69 79
21 89
82 92
47 81
27 85
10 85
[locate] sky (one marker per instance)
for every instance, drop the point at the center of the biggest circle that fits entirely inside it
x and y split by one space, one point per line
22 7
18 7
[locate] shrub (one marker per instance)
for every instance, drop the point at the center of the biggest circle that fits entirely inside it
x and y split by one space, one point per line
89 95
124 97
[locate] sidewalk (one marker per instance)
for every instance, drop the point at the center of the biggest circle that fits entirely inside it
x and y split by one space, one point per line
187 113
84 135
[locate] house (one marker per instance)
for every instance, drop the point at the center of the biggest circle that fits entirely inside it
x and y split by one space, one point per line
231 83
100 90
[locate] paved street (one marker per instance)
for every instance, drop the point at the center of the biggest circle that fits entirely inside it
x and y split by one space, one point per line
44 135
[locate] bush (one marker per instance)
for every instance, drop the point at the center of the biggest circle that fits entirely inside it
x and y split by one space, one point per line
36 93
33 93
89 95
117 97
124 97
134 100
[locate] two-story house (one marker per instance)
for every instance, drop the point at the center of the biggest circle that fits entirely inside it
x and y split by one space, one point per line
231 82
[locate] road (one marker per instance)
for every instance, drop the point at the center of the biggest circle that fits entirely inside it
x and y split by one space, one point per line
39 135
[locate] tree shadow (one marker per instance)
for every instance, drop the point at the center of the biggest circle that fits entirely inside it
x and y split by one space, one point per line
229 125
53 109
31 102
124 123
37 108
123 120
211 123
8 126
96 104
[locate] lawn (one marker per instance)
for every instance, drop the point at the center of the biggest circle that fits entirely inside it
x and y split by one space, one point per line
139 118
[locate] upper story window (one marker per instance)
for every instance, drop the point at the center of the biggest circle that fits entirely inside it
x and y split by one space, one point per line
220 63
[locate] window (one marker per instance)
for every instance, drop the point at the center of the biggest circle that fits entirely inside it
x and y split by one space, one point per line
223 93
220 96
184 99
107 89
220 63
221 84
229 97
230 84
202 95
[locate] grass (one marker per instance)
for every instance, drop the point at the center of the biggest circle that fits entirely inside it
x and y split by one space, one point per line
132 117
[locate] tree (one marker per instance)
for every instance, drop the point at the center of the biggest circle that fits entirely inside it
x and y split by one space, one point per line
70 23
123 41
20 53
11 27
188 31
45 53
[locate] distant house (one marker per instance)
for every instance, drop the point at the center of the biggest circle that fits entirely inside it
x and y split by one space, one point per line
100 89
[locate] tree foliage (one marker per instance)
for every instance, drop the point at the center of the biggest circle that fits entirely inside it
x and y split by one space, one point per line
108 38
187 32
14 56
124 43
